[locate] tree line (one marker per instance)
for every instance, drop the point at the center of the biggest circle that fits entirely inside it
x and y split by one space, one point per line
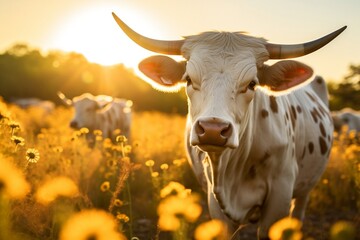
26 72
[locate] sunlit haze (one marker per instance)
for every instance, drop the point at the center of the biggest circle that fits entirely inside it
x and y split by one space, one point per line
87 27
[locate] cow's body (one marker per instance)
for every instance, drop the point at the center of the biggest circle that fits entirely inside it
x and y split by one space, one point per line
45 105
252 149
285 145
101 113
348 118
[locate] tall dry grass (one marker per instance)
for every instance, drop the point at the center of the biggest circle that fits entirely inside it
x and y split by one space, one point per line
54 186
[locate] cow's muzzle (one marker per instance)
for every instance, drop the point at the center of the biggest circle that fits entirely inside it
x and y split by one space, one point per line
74 124
213 132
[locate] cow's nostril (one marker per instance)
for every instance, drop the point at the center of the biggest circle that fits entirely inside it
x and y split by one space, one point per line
199 129
226 132
73 124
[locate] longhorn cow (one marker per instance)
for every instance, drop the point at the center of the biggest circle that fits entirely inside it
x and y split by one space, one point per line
257 136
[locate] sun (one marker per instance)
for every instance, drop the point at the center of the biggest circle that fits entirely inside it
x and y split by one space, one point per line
94 33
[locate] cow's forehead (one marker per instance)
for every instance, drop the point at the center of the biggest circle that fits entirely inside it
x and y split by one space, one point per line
83 102
226 45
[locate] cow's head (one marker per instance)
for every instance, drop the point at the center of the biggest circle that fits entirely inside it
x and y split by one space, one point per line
85 108
222 72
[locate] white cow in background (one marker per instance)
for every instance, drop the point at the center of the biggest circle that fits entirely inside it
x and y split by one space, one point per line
346 117
100 113
45 105
254 142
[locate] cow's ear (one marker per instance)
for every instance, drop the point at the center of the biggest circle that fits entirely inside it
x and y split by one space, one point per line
163 70
284 75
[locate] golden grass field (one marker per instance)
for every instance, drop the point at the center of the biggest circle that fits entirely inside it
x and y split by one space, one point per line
53 186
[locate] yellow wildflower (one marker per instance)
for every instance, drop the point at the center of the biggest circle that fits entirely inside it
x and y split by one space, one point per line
127 149
14 125
107 144
178 205
84 130
168 222
117 132
179 162
286 229
122 217
213 229
32 155
91 224
172 187
154 174
12 181
164 166
41 136
56 187
97 132
105 186
342 230
149 163
121 139
19 141
118 202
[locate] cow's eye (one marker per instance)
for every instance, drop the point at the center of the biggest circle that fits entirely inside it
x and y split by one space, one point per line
188 80
252 85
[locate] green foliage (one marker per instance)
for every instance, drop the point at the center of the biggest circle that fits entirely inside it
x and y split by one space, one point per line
347 92
26 72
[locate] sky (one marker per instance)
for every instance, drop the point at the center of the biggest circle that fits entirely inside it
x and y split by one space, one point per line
87 26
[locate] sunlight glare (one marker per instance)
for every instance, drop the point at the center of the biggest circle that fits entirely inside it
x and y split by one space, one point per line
94 33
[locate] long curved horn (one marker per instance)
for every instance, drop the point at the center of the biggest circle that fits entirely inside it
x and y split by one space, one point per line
280 51
66 100
159 46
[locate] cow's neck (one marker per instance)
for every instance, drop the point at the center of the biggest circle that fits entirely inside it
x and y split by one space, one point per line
232 167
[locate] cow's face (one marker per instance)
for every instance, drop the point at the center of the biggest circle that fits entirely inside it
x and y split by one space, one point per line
85 110
222 74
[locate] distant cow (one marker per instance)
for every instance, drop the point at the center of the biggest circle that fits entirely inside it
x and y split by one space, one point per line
45 105
254 141
346 117
100 113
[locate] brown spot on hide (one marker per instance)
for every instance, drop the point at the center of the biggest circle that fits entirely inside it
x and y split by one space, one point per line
311 96
273 104
315 115
322 129
298 108
319 80
293 111
323 145
264 113
322 111
293 118
252 172
311 147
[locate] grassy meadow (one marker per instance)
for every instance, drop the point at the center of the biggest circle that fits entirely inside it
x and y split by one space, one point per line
54 186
